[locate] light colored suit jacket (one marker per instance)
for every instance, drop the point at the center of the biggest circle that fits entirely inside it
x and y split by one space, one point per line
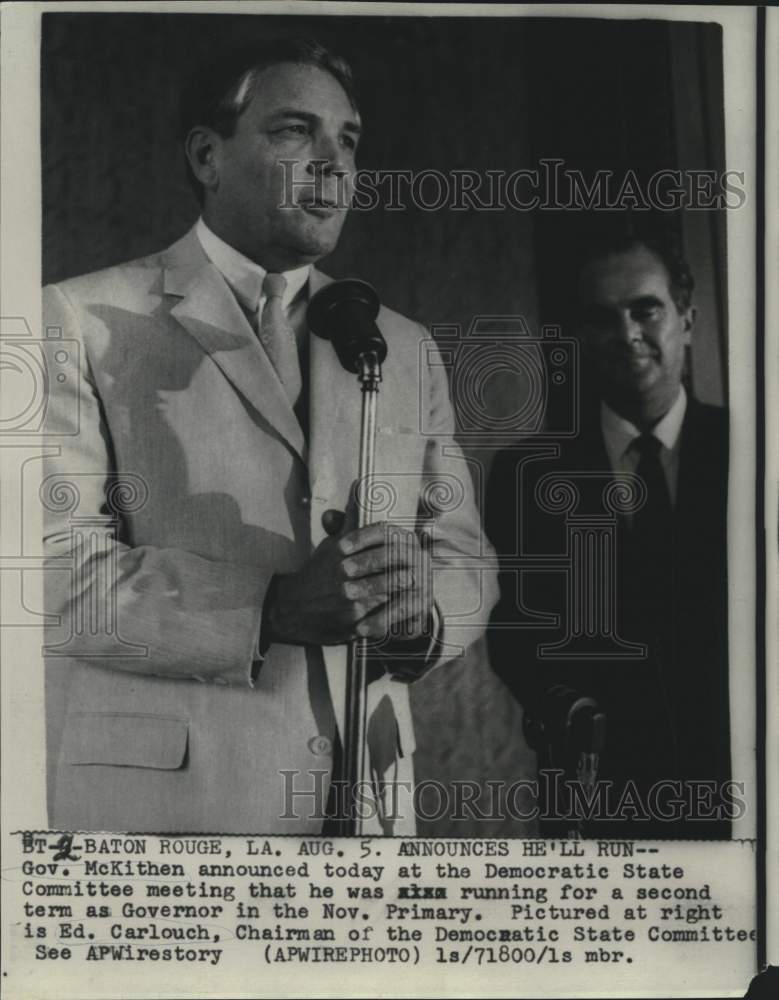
180 483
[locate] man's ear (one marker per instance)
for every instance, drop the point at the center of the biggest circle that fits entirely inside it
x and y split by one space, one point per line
690 316
202 147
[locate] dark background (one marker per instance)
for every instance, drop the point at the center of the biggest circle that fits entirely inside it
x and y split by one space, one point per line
443 93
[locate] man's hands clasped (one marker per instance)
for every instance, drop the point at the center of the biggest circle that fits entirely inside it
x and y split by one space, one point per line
371 582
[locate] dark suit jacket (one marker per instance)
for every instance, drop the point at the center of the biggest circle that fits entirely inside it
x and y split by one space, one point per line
667 714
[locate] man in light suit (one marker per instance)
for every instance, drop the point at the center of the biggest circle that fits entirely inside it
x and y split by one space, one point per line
204 573
667 711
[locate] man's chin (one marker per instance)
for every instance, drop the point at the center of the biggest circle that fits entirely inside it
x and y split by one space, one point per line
632 380
314 241
627 391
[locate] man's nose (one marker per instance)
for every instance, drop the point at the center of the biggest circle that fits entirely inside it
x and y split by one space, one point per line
629 330
328 156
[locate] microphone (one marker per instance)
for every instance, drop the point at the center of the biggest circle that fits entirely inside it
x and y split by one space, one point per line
572 724
344 313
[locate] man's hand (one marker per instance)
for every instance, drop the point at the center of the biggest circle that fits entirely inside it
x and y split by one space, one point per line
368 582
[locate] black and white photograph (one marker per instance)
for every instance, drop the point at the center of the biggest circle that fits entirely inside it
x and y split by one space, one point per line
385 466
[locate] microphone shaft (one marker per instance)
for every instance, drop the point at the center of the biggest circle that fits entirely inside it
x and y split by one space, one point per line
355 714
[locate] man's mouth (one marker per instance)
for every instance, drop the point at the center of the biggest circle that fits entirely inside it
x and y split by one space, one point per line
639 358
633 364
321 207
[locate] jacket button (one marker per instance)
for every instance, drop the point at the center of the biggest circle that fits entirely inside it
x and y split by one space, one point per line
305 501
320 746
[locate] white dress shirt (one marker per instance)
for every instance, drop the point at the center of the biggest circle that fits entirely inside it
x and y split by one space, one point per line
619 434
244 277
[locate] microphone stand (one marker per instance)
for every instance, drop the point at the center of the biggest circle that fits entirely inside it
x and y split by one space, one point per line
349 823
344 312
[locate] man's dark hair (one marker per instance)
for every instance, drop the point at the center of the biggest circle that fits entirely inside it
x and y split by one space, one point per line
217 94
681 283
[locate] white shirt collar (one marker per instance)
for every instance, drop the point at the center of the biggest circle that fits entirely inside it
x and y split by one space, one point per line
243 275
619 433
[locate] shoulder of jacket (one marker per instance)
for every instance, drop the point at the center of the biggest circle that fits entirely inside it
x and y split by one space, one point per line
710 410
138 272
398 320
707 416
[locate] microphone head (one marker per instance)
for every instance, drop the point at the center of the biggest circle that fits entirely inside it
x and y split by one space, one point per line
344 312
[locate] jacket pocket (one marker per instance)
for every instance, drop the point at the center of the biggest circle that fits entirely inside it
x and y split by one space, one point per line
126 740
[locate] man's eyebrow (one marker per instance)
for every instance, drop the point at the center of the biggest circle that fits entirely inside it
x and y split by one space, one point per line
309 116
599 310
645 301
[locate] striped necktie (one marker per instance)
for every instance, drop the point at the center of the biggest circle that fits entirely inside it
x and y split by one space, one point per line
278 337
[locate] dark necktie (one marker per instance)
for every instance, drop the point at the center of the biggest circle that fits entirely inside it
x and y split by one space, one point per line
652 529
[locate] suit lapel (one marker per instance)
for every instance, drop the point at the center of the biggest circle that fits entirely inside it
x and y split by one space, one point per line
209 312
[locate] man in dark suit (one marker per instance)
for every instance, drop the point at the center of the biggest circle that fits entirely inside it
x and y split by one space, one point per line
644 636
